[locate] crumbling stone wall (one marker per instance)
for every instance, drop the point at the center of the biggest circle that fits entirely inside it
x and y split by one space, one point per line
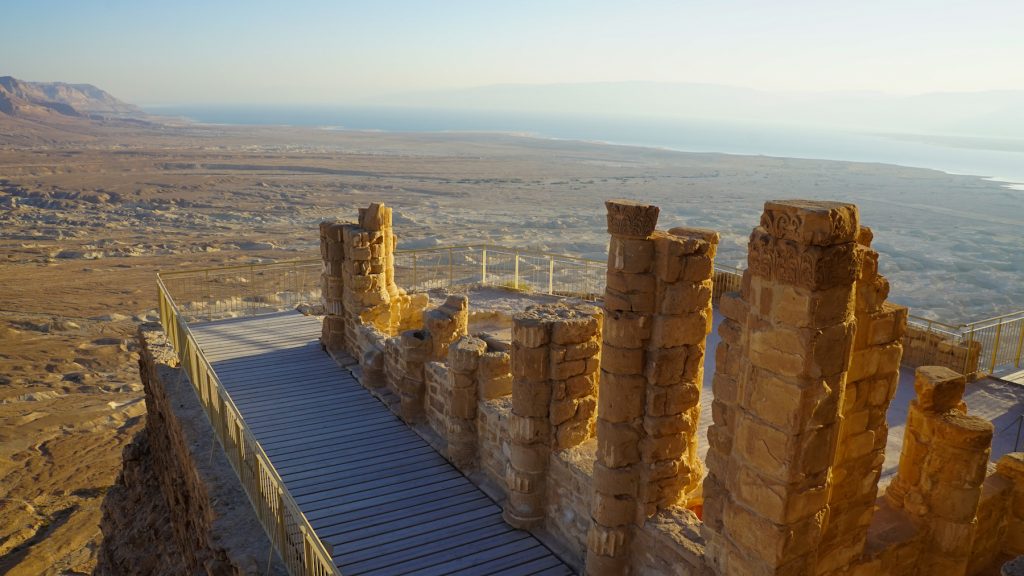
923 347
870 386
658 315
364 305
554 377
806 368
942 469
767 489
177 506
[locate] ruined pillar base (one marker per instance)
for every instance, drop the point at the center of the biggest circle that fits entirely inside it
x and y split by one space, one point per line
521 522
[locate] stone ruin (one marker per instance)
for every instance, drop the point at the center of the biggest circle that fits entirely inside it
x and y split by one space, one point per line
584 426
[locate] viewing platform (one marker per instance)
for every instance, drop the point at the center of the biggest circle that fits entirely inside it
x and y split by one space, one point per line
375 458
377 495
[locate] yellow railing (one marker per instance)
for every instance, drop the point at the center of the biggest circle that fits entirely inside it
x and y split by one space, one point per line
286 526
989 346
204 294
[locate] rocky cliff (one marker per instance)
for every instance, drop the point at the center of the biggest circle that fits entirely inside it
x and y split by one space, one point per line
177 506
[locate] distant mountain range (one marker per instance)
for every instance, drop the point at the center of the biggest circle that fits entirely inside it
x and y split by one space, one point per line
986 113
51 100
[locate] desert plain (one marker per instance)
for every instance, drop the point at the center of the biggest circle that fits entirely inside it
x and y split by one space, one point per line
89 212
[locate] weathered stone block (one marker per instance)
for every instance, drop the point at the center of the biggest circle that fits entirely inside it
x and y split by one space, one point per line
494 387
811 267
631 219
622 397
530 398
616 481
612 510
528 430
623 361
626 329
529 364
790 405
630 256
685 297
618 444
814 222
782 456
938 388
465 353
669 365
682 330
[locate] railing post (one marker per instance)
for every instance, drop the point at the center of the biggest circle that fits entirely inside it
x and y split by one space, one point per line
483 267
1020 341
551 275
515 277
414 283
967 356
451 272
995 347
207 290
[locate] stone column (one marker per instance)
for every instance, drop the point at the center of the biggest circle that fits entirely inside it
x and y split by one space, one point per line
1011 466
871 385
367 291
777 401
555 362
658 306
442 326
463 363
942 467
332 251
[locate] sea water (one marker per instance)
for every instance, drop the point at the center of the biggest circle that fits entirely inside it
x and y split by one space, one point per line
1001 160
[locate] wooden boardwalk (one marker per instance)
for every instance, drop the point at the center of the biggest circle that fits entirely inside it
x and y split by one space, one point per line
374 491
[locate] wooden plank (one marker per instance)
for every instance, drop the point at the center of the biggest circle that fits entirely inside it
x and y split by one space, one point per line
447 561
403 466
322 437
371 487
507 563
541 565
342 454
345 506
402 489
298 406
326 385
399 509
429 545
429 538
319 420
384 523
387 478
327 408
300 479
471 516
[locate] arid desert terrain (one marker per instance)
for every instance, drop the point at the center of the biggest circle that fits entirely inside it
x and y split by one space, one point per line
90 211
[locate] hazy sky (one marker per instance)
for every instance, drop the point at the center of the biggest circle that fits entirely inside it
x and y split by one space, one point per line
182 52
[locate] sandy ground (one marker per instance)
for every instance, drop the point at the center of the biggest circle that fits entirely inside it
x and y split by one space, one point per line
87 216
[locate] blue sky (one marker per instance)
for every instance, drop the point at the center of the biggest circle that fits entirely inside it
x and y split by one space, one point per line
188 52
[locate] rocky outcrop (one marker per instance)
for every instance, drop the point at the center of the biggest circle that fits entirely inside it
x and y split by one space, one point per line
177 506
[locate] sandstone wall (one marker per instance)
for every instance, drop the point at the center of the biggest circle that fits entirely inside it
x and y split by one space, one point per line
569 496
492 440
922 347
178 507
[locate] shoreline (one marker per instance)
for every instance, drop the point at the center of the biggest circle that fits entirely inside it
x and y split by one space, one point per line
1005 182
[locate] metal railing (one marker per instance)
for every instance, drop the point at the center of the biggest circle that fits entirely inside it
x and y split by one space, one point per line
455 267
989 346
206 294
287 527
